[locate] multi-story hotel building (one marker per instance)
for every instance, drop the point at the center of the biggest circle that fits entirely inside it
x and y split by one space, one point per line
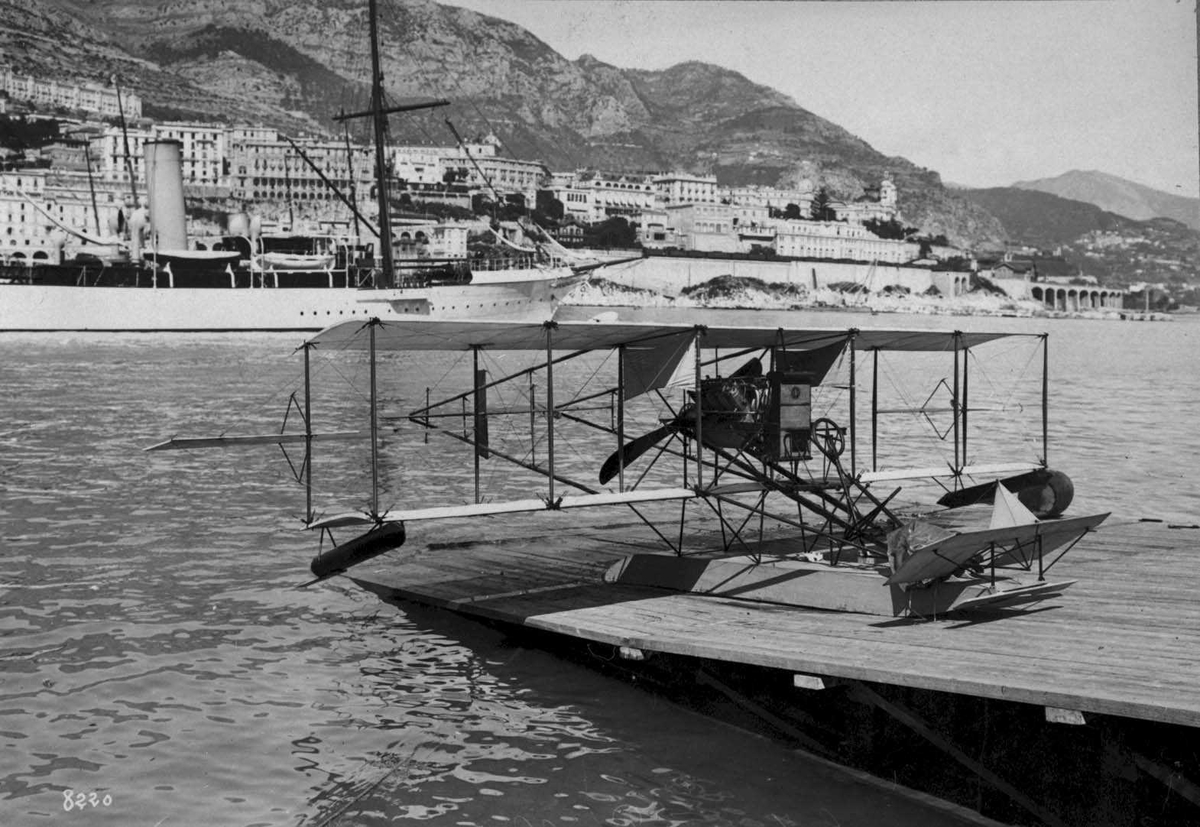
839 240
475 165
682 188
90 97
262 166
203 155
593 196
768 197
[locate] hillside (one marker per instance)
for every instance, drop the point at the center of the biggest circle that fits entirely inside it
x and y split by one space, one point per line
1040 219
1115 249
292 64
1118 195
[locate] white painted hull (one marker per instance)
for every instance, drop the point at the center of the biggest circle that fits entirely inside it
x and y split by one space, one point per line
515 296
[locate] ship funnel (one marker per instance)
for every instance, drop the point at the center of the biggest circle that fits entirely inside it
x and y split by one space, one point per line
164 180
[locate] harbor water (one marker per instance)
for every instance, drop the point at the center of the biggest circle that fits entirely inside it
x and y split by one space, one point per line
160 666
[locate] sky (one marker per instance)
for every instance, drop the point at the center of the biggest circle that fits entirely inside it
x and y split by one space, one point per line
985 92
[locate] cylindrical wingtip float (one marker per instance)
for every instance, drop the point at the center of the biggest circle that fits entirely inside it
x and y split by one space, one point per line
1044 491
338 559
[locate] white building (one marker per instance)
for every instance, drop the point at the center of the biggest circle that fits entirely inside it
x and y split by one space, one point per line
879 203
417 167
203 154
90 97
475 166
265 167
32 233
839 240
703 226
653 230
593 196
683 188
769 197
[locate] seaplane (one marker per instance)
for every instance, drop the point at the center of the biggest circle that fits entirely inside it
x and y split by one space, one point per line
749 454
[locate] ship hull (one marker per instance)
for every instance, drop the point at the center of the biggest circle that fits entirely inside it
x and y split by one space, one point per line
522 296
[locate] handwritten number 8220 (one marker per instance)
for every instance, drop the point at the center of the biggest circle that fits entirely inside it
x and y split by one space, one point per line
80 801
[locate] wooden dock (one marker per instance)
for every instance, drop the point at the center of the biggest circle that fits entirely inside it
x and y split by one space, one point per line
1124 641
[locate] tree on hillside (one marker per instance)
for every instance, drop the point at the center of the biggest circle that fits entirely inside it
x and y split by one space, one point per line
614 232
891 229
549 206
19 133
792 212
821 208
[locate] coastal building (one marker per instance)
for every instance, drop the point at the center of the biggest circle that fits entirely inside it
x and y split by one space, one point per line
653 231
120 151
750 215
86 96
683 188
1054 282
703 226
203 155
67 155
771 198
24 232
578 204
475 166
594 196
37 204
419 169
877 203
839 240
419 238
264 167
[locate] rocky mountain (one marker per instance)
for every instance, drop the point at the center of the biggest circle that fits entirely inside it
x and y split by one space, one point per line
1118 195
292 64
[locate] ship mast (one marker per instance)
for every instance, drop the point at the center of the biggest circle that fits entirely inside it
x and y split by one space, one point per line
125 139
381 171
378 115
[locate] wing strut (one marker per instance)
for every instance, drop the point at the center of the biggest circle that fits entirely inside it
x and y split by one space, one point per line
374 323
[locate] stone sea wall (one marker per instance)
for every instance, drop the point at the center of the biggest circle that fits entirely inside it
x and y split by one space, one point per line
672 276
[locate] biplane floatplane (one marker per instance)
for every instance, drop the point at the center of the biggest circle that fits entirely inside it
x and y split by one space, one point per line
777 500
